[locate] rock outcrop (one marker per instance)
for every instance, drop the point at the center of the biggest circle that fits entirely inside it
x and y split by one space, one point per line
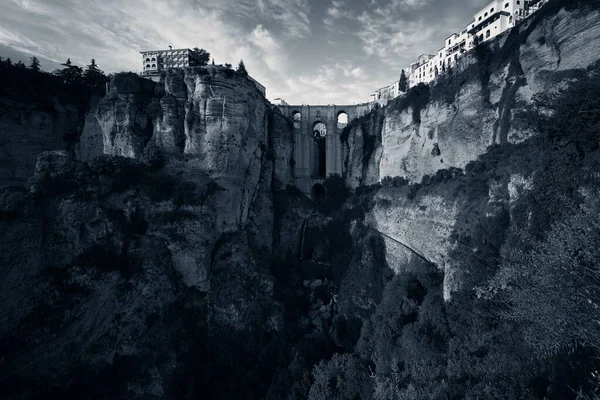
486 102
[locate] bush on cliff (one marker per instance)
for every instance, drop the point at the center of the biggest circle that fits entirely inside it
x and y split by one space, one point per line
336 194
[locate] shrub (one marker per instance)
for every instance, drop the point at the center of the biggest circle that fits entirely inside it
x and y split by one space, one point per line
553 286
337 194
395 182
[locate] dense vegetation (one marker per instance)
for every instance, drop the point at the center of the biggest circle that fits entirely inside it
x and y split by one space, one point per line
69 85
526 321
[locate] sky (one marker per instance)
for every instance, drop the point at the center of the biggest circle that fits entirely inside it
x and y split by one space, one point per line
304 51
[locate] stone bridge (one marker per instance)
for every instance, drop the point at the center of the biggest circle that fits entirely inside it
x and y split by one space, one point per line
317 144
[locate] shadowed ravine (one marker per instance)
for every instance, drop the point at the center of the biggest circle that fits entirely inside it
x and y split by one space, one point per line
156 244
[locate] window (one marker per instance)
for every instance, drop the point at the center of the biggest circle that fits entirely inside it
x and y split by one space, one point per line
449 41
487 34
518 2
485 15
491 11
479 18
147 59
147 65
153 58
153 65
506 5
510 19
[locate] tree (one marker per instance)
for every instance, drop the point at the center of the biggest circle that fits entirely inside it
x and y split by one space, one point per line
241 69
35 64
94 77
228 66
403 82
20 65
71 74
202 56
8 62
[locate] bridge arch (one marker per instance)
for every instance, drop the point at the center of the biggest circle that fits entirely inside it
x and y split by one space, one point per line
342 119
314 160
319 134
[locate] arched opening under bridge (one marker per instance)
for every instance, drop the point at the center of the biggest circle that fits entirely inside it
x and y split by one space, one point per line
342 119
319 134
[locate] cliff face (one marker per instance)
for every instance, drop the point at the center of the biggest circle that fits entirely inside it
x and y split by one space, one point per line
171 237
26 131
485 102
215 120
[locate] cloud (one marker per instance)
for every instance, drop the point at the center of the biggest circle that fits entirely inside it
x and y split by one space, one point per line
362 45
344 84
337 11
398 31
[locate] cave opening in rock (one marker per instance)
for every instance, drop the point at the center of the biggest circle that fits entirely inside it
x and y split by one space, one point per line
320 159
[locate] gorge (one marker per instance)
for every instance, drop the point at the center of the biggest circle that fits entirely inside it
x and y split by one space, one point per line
160 247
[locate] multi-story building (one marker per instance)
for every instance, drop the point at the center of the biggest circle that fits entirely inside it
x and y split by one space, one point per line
421 70
456 45
496 18
260 87
280 102
155 61
493 20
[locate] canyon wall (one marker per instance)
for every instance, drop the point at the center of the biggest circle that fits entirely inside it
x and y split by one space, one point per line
26 131
486 101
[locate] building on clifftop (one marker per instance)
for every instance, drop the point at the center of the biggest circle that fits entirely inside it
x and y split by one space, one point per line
156 61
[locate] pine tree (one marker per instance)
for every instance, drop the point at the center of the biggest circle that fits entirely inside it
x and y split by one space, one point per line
241 69
94 77
71 74
35 64
403 82
8 62
20 65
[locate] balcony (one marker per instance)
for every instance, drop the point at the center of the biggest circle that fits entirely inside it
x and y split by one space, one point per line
489 20
456 47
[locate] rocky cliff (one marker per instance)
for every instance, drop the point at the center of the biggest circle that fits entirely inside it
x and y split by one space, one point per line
181 263
26 131
485 101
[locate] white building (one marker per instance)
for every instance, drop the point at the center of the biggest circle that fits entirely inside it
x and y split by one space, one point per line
280 102
496 18
456 45
421 70
155 61
493 20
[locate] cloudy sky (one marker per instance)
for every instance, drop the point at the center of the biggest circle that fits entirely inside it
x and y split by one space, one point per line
305 51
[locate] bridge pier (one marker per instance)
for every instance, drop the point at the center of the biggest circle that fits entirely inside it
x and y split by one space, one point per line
305 118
